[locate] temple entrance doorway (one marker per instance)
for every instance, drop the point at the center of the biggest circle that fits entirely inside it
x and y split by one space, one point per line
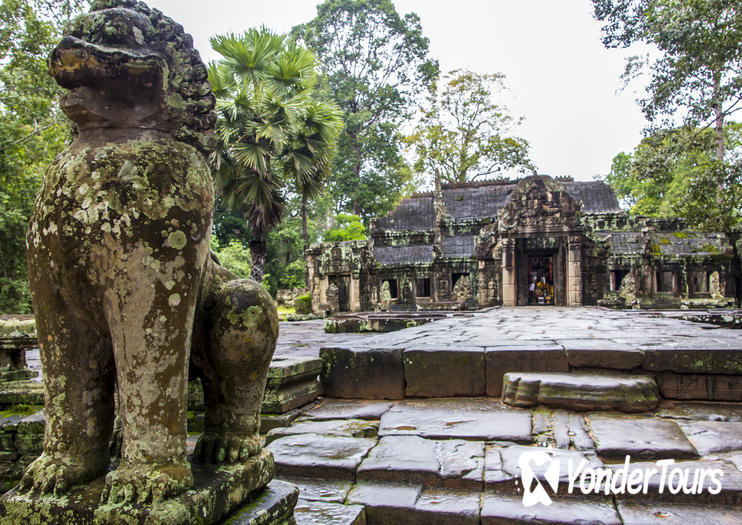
342 282
541 282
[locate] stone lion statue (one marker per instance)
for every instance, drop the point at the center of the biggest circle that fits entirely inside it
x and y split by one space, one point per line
126 294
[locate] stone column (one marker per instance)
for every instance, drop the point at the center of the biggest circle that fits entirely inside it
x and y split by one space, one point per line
508 272
354 294
574 272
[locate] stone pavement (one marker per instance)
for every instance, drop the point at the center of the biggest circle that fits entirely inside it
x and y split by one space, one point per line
456 461
401 454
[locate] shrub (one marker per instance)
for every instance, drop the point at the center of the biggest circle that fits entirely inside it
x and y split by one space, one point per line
303 304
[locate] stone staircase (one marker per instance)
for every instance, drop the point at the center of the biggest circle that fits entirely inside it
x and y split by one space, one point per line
458 461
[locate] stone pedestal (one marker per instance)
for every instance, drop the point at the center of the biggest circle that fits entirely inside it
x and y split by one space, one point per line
218 492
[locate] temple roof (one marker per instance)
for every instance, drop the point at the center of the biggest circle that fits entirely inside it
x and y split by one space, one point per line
483 200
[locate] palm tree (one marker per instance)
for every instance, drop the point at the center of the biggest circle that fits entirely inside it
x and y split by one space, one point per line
274 134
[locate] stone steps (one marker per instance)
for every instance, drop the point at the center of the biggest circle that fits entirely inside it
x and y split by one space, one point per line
705 370
581 391
456 461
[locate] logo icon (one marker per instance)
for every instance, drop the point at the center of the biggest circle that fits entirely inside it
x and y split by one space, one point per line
547 466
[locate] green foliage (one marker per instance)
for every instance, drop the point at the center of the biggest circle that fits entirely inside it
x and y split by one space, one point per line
32 129
294 275
348 227
698 72
463 134
274 131
234 256
303 304
674 173
375 64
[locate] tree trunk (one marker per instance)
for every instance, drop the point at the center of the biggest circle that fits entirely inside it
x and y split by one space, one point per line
719 118
258 249
305 236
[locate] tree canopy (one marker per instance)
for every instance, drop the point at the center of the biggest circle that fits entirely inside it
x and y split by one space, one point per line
275 135
32 128
375 63
698 71
674 173
464 134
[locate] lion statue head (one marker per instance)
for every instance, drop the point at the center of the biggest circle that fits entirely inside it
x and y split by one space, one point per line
129 66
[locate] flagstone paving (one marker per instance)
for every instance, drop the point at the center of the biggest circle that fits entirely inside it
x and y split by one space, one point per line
456 461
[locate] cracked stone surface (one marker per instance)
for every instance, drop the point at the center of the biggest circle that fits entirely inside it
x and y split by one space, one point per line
338 427
453 463
713 436
333 457
504 509
646 438
476 419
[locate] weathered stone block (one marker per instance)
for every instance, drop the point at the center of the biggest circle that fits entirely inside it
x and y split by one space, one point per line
317 489
292 369
271 505
475 419
713 436
21 393
581 391
451 463
322 513
633 513
270 421
729 494
683 360
700 386
290 396
29 443
526 357
349 409
33 424
387 502
601 353
314 455
640 438
444 373
341 427
363 373
504 509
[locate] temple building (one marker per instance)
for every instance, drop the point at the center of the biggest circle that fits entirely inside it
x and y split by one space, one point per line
531 241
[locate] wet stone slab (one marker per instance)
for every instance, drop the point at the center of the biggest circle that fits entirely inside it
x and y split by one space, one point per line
601 353
701 411
581 391
349 409
686 482
321 513
503 472
526 356
310 455
464 372
640 438
713 436
505 509
452 463
675 514
387 502
703 387
339 427
363 373
475 419
317 489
